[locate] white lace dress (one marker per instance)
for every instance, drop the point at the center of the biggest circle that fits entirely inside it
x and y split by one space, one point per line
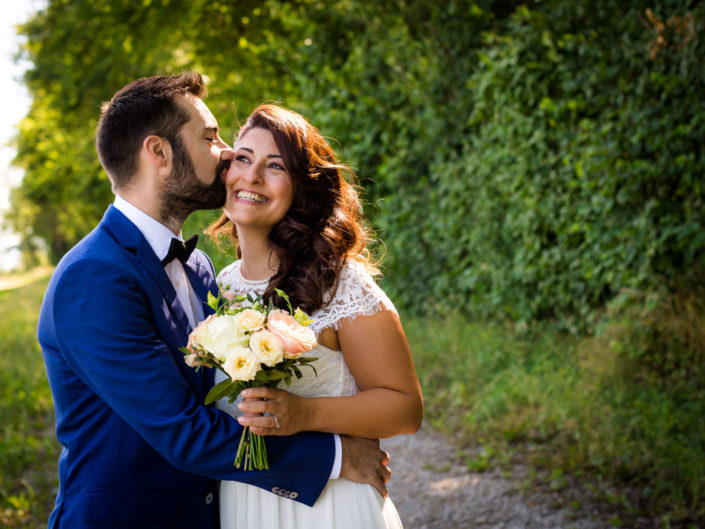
343 504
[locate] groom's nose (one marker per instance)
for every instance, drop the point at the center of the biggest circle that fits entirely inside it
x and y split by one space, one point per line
227 153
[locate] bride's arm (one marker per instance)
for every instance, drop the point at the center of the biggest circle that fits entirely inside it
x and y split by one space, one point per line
389 401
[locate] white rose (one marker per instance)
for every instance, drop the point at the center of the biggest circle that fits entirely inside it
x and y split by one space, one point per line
250 319
268 348
196 336
220 335
241 364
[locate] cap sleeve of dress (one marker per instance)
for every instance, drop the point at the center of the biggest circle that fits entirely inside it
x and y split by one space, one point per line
357 295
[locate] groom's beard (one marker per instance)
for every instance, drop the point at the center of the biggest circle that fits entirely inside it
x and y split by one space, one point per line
183 193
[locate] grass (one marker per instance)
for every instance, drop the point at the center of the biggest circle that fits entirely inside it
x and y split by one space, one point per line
564 405
28 448
560 403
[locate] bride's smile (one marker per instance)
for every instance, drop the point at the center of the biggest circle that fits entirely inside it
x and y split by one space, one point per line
250 196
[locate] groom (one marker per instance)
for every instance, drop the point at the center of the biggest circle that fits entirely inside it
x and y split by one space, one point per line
139 448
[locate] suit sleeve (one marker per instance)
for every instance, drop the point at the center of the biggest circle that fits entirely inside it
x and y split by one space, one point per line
106 332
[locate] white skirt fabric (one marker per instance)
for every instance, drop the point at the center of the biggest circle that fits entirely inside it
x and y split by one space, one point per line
343 504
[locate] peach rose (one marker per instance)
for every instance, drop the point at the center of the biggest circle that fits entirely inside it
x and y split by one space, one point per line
250 320
296 338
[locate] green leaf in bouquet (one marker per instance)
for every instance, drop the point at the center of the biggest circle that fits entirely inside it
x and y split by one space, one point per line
213 301
283 295
301 317
303 360
306 361
297 372
221 390
238 386
270 375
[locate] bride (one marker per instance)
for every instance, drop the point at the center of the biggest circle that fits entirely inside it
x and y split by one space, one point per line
296 222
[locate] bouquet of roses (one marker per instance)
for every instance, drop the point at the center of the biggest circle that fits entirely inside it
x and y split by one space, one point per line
254 345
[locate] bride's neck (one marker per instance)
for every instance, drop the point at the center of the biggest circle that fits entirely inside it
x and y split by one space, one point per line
258 259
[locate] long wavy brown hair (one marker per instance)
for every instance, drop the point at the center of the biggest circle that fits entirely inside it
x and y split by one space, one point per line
323 227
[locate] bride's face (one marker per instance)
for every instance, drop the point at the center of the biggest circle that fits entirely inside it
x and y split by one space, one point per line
259 188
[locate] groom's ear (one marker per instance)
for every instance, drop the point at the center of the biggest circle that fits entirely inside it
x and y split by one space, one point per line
158 151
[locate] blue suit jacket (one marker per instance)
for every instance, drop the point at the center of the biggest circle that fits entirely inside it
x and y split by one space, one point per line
139 448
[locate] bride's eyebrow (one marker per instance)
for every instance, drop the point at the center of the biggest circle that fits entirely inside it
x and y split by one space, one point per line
251 151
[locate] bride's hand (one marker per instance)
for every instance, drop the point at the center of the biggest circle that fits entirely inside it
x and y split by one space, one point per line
287 413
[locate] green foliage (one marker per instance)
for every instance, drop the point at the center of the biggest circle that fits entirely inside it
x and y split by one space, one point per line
28 448
524 160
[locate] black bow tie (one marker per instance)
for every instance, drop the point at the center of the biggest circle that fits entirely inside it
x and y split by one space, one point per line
180 250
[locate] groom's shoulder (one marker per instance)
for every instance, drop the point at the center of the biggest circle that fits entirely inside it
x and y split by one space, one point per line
97 250
96 244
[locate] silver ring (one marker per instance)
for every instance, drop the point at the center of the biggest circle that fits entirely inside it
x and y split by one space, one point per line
276 422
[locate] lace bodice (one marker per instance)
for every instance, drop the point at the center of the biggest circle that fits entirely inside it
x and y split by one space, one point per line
357 295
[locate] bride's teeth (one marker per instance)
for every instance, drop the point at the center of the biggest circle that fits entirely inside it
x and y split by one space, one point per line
250 196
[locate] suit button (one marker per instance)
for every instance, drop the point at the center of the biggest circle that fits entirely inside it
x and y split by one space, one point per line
209 498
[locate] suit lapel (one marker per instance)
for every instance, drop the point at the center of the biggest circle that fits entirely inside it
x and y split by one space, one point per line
127 235
201 278
200 275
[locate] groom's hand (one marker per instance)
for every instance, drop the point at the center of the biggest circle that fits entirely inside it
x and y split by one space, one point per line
364 462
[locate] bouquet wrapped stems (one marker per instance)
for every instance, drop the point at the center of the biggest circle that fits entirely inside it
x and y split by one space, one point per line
252 451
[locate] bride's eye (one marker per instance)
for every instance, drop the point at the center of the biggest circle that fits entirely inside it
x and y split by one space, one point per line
242 158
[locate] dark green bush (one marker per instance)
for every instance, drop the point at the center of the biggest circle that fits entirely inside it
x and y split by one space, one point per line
660 335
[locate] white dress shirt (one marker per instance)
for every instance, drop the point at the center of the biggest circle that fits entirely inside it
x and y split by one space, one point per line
159 238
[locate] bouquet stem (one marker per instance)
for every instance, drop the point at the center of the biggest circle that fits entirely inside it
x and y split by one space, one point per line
252 451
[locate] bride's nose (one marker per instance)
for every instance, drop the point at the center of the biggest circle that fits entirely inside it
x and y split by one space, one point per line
253 174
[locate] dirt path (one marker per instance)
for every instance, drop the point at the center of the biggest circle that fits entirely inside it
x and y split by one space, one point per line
12 281
432 489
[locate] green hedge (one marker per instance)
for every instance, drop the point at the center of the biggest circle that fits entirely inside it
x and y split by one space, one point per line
580 173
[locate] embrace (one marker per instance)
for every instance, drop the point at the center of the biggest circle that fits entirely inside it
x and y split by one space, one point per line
140 448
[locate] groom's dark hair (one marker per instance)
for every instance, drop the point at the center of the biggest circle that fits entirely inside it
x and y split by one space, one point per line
142 108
